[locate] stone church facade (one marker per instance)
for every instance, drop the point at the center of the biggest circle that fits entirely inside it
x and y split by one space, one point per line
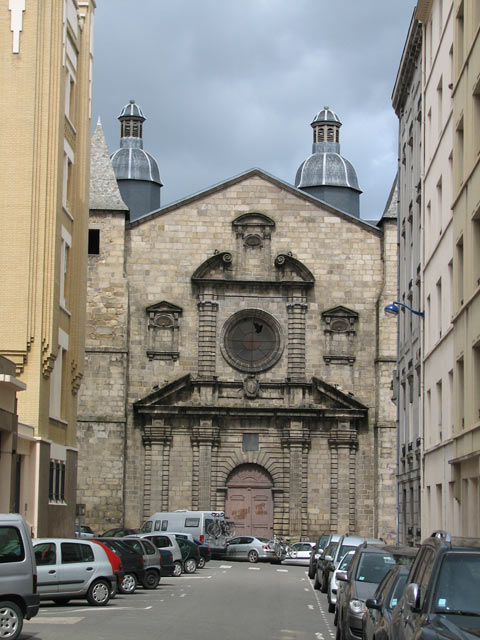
238 359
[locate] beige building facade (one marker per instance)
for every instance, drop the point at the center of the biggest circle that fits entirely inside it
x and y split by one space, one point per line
46 71
238 359
465 461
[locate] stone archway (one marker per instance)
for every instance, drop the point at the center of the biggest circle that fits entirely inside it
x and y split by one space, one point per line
249 500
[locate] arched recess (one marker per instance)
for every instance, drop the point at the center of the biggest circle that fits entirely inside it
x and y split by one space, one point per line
249 500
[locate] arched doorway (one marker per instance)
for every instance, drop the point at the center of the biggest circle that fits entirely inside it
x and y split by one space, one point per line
249 500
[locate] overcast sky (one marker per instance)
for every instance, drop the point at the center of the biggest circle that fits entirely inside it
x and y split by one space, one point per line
227 85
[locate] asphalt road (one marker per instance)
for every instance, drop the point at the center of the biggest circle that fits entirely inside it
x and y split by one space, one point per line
226 600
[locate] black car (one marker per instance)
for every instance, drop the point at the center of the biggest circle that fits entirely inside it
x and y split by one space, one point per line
441 599
132 563
119 532
320 545
205 553
378 617
323 563
370 564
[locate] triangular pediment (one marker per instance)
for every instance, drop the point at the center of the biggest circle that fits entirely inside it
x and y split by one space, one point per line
340 312
164 307
182 394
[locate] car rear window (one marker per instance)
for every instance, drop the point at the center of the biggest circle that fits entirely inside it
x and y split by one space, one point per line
372 567
11 545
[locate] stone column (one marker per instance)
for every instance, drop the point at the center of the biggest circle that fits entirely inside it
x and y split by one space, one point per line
296 339
343 446
157 440
297 440
207 337
204 438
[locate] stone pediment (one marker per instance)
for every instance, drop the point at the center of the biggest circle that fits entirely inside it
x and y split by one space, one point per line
164 307
220 267
184 396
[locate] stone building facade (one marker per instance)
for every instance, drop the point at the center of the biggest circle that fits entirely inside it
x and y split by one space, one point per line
238 359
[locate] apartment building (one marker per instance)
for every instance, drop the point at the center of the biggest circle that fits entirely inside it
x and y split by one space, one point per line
465 461
407 103
45 68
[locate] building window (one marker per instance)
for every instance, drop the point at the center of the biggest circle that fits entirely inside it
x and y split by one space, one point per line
56 481
460 272
68 160
94 242
459 153
459 51
66 243
58 379
163 331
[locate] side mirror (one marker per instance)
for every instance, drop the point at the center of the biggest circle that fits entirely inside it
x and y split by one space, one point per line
372 603
341 576
328 558
411 596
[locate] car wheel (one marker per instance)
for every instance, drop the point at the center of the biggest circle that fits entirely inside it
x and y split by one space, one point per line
252 556
316 584
338 634
151 579
201 562
98 593
311 573
331 607
129 583
335 617
178 569
61 601
11 620
190 565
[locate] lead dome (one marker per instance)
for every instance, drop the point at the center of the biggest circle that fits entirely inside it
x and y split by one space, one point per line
136 170
326 174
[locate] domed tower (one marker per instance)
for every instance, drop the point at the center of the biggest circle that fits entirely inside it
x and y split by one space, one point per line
136 170
326 174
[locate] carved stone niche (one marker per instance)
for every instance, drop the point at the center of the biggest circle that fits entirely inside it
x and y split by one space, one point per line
163 330
254 229
340 330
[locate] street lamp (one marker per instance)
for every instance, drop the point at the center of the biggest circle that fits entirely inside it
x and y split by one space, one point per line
393 308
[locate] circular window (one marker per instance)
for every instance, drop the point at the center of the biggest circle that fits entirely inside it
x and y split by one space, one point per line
251 340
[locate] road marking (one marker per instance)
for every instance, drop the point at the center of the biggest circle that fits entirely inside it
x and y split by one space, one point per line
310 606
319 636
223 566
305 589
282 570
197 577
254 568
37 620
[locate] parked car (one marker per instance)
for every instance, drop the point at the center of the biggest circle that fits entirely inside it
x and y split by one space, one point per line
345 543
83 531
118 532
333 584
320 545
441 597
378 616
190 554
204 549
132 562
368 567
300 553
117 566
323 561
168 565
169 542
19 598
151 560
71 569
250 548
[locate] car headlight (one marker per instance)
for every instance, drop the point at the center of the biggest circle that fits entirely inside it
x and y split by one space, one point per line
357 606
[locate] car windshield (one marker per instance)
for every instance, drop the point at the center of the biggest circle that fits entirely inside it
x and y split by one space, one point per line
397 591
344 548
458 584
345 561
146 527
373 566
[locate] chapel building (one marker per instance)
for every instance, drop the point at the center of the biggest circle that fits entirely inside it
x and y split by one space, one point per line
238 357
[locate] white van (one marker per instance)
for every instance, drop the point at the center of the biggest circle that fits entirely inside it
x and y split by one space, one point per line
210 527
18 576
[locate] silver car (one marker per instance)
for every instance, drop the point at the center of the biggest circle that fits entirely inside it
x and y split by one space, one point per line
166 541
151 559
70 568
250 548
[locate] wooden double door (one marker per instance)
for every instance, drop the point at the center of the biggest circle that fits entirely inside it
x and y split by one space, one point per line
249 501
